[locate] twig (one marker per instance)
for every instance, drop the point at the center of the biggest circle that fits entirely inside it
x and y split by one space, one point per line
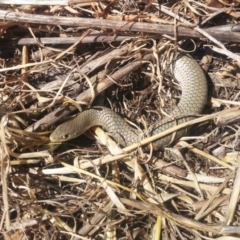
115 25
225 52
70 40
234 198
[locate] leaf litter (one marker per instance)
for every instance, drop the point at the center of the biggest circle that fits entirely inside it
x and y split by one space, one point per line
90 188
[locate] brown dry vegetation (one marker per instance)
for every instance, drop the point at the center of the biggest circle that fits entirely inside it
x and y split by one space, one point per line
57 58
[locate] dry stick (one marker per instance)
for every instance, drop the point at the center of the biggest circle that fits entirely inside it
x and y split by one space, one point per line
231 118
73 46
228 28
5 218
189 184
203 211
47 2
107 82
27 65
234 198
37 2
5 163
116 25
225 52
70 2
205 155
70 40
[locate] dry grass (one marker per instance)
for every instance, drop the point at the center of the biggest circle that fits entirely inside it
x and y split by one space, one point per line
92 189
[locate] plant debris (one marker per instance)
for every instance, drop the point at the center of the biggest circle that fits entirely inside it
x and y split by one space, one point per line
60 57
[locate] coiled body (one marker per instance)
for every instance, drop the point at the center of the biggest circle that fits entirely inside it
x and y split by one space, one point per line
194 95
